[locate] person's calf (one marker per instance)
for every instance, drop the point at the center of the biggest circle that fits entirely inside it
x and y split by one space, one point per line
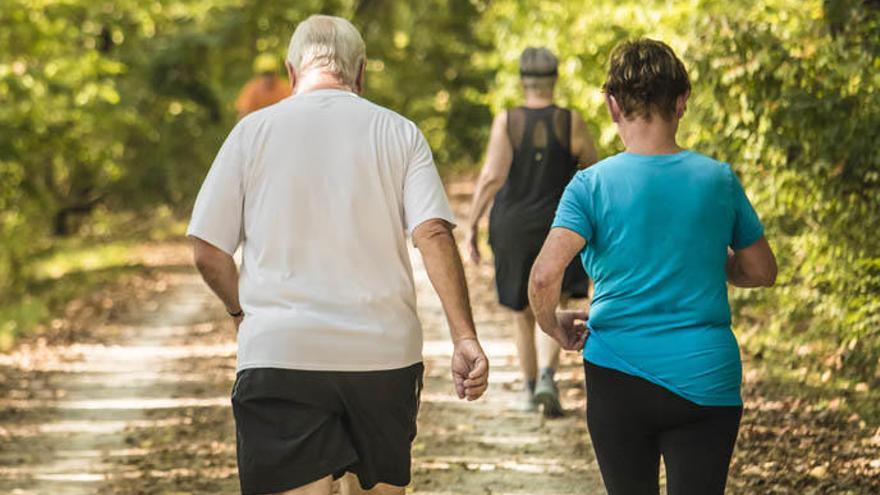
323 486
350 485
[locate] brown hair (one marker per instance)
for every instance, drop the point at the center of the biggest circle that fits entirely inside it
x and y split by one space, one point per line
646 77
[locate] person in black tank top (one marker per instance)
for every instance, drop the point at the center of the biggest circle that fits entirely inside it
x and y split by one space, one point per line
534 151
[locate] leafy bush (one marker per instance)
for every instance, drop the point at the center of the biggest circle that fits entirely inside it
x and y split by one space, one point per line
795 105
120 105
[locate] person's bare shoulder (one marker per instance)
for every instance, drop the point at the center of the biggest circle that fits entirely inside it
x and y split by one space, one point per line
579 126
500 119
582 145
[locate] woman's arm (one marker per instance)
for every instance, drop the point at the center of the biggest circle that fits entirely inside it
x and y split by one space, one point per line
545 284
498 160
754 266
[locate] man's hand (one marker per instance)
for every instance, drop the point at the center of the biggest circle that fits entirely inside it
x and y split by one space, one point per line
472 240
571 331
470 369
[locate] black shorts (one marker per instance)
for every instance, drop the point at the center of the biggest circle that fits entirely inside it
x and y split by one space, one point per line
295 427
512 270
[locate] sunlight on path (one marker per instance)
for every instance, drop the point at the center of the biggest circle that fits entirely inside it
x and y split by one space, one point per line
104 391
146 409
487 447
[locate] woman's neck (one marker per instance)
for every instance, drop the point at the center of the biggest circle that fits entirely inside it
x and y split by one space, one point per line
538 99
649 137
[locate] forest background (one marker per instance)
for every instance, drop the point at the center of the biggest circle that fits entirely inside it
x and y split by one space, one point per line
111 112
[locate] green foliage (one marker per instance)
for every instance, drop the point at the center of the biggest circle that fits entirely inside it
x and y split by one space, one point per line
74 271
122 103
116 107
119 106
785 90
582 39
795 106
82 124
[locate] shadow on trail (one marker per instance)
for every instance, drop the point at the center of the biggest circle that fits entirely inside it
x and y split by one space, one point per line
140 404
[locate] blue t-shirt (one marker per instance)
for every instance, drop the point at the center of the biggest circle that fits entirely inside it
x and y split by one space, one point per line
657 229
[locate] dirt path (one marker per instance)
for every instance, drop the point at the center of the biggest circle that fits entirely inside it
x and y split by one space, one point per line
141 406
72 412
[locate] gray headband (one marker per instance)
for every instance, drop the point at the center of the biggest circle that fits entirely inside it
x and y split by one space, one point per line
536 73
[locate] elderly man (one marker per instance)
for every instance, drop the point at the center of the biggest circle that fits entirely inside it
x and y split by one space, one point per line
320 190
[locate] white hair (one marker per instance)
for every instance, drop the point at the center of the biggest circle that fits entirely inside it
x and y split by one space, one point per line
329 44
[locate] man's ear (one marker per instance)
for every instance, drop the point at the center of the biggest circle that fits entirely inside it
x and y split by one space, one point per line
291 75
359 80
613 108
681 105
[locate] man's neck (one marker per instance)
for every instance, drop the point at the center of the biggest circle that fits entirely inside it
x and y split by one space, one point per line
313 81
649 137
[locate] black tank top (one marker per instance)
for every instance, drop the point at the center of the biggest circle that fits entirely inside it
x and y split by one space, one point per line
542 166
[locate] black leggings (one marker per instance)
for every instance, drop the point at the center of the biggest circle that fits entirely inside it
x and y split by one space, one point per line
633 422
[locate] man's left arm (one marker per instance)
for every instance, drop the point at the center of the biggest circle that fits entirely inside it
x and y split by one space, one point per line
545 284
430 220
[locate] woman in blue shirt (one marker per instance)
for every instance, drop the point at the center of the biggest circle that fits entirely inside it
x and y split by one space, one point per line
661 231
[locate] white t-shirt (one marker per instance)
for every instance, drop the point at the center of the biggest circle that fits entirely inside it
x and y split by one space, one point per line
320 191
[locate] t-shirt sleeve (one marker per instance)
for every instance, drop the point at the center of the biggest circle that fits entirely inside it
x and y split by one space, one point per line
423 195
747 227
217 216
575 209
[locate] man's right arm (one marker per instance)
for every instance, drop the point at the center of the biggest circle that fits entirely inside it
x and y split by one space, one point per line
499 156
470 367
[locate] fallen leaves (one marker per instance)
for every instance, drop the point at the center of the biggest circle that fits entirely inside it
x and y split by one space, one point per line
790 444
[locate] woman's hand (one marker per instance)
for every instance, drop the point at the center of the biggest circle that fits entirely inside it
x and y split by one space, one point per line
472 240
571 331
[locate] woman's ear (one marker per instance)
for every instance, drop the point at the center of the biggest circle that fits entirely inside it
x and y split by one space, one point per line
681 105
613 108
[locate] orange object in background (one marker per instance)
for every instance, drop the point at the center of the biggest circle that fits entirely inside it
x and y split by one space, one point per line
261 91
